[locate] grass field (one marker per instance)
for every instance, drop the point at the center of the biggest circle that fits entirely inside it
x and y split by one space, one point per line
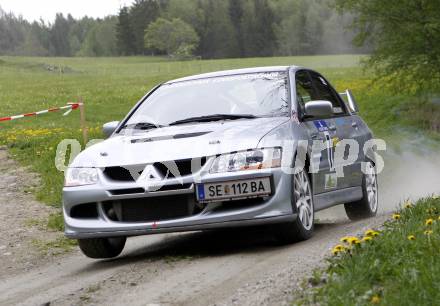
111 86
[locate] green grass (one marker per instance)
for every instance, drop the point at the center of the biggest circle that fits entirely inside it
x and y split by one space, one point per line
389 270
111 86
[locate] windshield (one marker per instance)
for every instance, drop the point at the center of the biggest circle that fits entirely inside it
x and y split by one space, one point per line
258 94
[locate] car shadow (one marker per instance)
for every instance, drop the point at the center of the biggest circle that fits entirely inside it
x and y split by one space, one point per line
202 244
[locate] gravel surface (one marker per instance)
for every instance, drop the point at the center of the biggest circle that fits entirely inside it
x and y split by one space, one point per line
210 268
22 219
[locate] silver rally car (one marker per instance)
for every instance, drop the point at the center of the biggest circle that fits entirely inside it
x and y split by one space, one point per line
258 146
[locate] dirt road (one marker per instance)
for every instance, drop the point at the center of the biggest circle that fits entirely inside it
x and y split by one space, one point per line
242 267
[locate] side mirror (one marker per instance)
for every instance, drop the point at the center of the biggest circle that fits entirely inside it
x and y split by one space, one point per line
351 101
319 108
109 128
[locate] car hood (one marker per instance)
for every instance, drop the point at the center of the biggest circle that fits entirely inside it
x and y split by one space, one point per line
178 142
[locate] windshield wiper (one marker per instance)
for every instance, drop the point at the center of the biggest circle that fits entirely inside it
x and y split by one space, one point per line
142 126
216 117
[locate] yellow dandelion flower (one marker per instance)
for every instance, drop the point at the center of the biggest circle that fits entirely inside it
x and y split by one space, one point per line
408 204
396 216
428 232
339 247
429 221
375 299
369 233
353 240
375 234
344 239
411 237
367 239
439 217
436 197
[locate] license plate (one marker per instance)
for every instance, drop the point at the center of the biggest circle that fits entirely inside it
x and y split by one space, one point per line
226 191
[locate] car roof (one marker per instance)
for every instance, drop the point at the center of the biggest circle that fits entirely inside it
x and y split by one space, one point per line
232 72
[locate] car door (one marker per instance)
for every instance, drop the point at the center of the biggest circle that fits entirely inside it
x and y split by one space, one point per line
321 132
352 127
345 128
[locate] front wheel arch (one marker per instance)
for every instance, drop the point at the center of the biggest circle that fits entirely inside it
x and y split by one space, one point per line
310 176
296 230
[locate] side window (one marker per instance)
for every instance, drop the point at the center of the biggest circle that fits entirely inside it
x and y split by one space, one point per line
304 89
325 92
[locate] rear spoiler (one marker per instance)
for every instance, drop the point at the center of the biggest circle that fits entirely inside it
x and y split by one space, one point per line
350 101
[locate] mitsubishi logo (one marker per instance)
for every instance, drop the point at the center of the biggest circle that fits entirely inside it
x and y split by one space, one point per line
150 179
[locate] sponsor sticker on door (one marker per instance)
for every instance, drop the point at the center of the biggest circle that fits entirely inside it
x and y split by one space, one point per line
321 125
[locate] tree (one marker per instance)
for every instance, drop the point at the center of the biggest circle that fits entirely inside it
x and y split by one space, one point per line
258 28
79 32
124 34
249 28
142 13
175 37
59 35
236 12
406 36
216 31
288 28
265 40
33 44
101 39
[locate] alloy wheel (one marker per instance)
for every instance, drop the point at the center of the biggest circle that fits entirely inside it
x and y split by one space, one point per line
303 198
371 186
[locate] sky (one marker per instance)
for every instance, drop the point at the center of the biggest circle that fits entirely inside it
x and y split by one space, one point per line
46 9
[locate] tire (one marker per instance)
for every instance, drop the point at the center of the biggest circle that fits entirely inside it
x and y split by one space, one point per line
368 205
302 202
98 248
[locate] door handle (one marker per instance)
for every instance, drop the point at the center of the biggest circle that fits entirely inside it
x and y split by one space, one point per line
314 136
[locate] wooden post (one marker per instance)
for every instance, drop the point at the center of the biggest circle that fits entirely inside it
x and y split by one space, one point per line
83 123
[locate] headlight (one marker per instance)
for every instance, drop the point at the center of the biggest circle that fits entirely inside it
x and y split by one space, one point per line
80 177
247 160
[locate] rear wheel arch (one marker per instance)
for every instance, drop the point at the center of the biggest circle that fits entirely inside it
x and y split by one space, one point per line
362 208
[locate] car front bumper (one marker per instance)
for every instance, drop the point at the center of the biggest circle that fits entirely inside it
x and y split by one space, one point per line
276 208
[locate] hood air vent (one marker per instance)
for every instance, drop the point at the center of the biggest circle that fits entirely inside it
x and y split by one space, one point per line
177 136
165 168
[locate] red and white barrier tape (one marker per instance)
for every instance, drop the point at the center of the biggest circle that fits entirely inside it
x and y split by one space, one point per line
70 107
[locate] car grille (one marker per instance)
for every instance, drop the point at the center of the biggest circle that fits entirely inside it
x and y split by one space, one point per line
121 174
167 169
174 187
151 209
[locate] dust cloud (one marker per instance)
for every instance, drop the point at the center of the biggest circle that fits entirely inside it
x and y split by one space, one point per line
411 172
